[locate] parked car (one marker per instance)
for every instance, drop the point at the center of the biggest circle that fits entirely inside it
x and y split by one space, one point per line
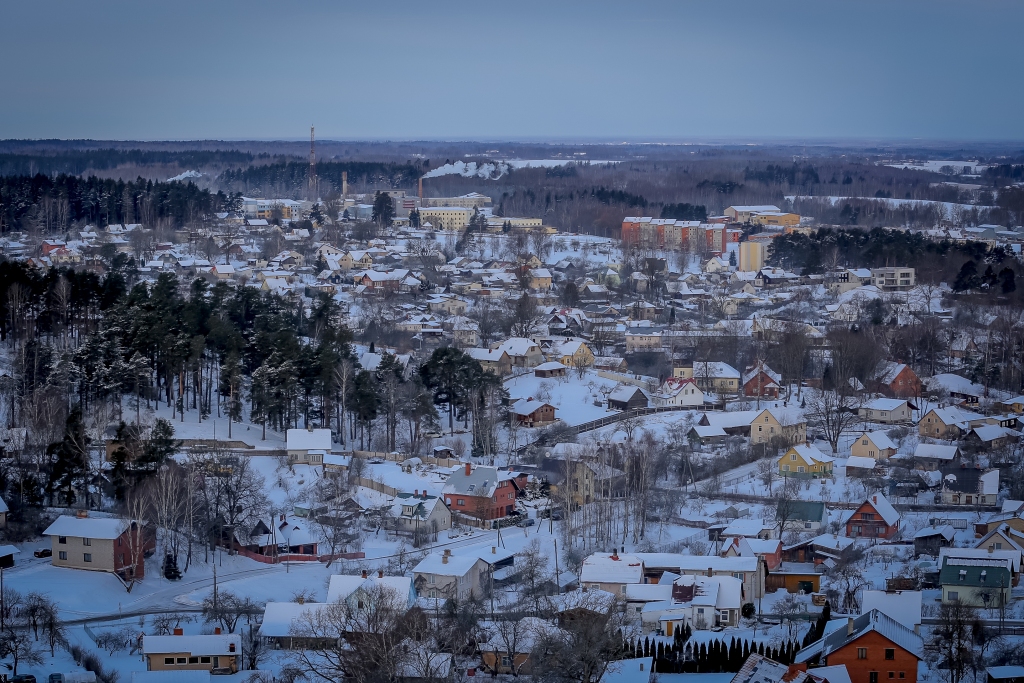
43 552
527 521
23 678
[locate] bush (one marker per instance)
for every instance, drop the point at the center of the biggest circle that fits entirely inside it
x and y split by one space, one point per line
748 611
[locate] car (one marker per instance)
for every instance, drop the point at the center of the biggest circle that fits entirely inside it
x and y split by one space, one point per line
556 514
43 552
221 671
22 678
527 521
55 678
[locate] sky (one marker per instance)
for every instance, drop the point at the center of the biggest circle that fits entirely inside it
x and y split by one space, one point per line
529 69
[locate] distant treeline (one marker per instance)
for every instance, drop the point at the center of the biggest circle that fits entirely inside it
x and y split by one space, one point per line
1005 172
290 179
52 204
790 175
78 162
685 212
935 261
606 196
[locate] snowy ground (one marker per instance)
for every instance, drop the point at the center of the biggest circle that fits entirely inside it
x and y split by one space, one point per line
572 397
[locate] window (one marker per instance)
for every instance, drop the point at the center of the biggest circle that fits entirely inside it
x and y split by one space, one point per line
182 660
864 442
800 468
461 501
862 653
193 660
430 579
506 661
953 595
88 557
903 674
890 653
807 525
792 456
999 546
204 660
86 541
62 555
892 674
168 660
785 468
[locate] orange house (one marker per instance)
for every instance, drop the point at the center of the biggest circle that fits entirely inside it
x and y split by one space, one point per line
875 518
874 647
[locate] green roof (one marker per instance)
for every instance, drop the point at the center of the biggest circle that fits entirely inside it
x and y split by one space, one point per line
806 511
996 575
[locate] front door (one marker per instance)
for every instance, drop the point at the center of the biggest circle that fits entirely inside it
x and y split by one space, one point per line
873 677
216 665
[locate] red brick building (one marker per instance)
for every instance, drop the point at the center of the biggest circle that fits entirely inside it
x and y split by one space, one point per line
483 492
875 518
897 379
874 647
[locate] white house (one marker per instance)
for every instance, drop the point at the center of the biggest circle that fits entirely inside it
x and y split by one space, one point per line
308 446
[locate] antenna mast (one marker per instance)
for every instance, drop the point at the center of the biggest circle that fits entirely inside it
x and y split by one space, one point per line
314 189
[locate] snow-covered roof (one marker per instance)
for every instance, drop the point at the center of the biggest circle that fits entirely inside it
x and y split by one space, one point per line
608 568
309 440
858 461
903 606
884 508
1010 556
884 404
280 619
211 644
87 527
685 563
637 670
456 564
873 621
811 453
935 451
992 432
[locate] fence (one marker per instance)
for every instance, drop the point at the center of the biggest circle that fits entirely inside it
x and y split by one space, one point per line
401 457
377 486
275 559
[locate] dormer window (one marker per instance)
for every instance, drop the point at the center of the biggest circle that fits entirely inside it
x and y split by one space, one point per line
963 574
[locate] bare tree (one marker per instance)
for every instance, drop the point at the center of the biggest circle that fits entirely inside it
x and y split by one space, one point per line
952 638
834 411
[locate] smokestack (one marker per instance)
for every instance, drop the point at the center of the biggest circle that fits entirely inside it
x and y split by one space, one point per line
344 184
421 188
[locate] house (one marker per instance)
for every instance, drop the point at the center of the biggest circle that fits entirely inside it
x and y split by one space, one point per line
444 576
525 353
987 437
805 462
804 515
104 544
749 528
628 397
550 369
770 550
358 590
794 577
572 353
759 669
711 376
1013 405
978 582
959 388
860 467
589 481
1003 537
532 413
874 518
824 549
930 540
1005 674
1011 556
902 606
482 492
896 379
874 647
948 423
963 485
641 670
761 380
308 446
677 391
179 652
931 457
281 535
419 513
874 445
611 572
494 360
700 602
885 411
508 645
778 425
539 279
750 570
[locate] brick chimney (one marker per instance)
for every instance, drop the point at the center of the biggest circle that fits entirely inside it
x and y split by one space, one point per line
364 573
216 631
82 514
469 469
380 573
179 632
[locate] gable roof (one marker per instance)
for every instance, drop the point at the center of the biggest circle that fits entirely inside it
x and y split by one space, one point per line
883 507
608 568
87 527
873 621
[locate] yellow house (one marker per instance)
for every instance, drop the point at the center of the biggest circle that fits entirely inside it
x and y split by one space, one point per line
874 445
774 425
568 352
539 279
805 462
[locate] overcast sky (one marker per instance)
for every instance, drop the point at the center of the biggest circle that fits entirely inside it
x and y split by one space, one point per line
500 70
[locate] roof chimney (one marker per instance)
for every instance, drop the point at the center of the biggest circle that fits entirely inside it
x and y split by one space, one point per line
415 492
494 550
179 632
364 573
991 547
380 573
849 627
874 499
216 631
736 541
444 559
469 469
711 571
82 514
309 427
